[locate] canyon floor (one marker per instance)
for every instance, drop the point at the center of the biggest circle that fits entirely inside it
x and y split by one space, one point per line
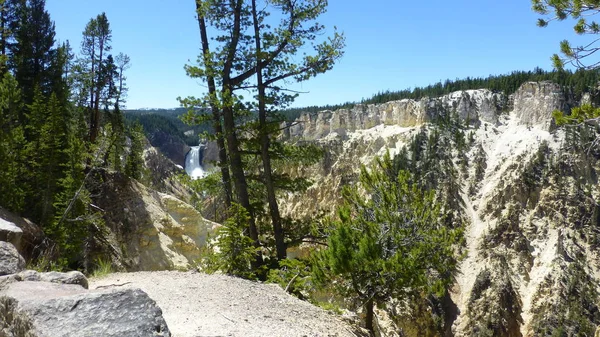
200 305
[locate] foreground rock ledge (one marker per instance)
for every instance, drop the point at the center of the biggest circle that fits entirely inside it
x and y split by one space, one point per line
196 304
44 309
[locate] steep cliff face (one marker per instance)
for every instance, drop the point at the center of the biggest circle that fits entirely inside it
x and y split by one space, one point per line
172 147
148 230
528 194
473 105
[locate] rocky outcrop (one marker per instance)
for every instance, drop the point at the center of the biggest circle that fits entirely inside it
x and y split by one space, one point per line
528 193
534 103
149 230
210 155
34 304
162 173
11 261
42 309
9 232
32 239
472 105
173 147
72 277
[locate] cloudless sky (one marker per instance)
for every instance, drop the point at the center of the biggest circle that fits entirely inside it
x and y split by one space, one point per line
391 44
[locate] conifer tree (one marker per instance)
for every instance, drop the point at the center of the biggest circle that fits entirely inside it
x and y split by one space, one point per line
33 51
134 161
94 48
273 67
12 141
237 57
389 244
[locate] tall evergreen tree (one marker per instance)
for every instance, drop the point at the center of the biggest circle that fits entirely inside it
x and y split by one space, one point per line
390 244
33 51
12 142
273 67
237 57
92 66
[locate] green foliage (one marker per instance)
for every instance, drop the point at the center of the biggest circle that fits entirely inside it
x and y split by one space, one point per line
575 310
116 133
134 163
578 115
12 142
428 158
103 267
294 276
582 12
33 52
390 243
232 251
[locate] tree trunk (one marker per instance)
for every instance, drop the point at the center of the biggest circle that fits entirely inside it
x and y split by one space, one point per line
233 146
98 87
369 310
225 177
278 232
93 122
239 178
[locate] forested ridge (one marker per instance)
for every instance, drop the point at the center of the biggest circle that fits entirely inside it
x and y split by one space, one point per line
60 123
575 82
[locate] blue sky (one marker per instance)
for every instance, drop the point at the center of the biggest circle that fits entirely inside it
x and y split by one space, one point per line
391 44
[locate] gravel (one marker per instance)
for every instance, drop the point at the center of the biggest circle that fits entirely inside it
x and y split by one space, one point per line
200 305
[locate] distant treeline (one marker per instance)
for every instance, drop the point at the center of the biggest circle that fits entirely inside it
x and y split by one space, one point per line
166 120
578 82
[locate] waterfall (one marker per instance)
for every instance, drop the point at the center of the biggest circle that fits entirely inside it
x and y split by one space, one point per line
193 165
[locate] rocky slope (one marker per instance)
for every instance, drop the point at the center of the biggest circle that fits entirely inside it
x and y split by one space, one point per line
528 194
147 229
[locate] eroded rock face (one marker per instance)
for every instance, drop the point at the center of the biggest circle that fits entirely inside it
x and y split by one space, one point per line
172 147
534 103
162 173
11 261
42 309
154 231
530 207
473 105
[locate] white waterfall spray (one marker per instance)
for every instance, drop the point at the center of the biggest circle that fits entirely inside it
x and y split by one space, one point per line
193 163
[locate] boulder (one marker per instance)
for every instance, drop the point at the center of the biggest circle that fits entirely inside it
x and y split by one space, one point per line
72 277
32 240
9 232
11 261
43 309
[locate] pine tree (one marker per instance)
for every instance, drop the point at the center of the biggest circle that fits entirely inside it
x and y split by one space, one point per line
32 53
238 57
272 67
12 141
92 68
135 160
390 244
